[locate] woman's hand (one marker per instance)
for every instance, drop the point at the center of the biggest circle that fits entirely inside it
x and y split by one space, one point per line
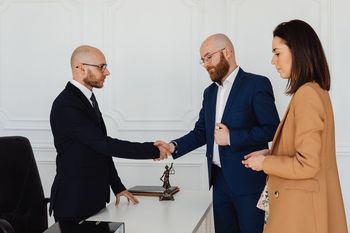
255 159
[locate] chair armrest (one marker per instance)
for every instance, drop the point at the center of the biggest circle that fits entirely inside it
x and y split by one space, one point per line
5 226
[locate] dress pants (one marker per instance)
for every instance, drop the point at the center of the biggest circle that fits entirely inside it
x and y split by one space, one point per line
234 213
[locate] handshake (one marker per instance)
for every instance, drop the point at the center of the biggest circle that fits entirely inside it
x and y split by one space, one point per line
165 149
221 137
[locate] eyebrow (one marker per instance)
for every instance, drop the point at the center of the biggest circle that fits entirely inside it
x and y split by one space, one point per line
206 54
274 50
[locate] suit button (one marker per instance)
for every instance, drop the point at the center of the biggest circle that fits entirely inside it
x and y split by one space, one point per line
277 194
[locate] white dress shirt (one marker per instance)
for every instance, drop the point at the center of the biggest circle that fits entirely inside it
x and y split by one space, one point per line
83 89
221 100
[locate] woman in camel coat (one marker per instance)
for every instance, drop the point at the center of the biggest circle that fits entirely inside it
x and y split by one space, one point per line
304 194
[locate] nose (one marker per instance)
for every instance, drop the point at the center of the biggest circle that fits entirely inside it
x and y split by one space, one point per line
273 60
106 72
206 64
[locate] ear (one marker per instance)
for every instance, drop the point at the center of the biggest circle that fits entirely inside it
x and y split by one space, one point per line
228 52
81 69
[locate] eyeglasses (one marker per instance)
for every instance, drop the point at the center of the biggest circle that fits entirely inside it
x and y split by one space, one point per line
101 67
207 58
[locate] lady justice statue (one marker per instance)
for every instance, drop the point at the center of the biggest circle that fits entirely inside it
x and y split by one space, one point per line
167 195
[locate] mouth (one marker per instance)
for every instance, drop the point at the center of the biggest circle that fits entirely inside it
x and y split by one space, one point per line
211 70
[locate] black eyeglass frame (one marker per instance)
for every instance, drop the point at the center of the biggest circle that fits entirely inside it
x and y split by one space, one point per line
101 67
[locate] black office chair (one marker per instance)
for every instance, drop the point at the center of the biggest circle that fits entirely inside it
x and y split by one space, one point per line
22 201
5 226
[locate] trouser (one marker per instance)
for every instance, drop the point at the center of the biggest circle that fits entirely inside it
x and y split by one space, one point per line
234 213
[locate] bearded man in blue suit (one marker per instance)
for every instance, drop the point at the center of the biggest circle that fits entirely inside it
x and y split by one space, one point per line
238 116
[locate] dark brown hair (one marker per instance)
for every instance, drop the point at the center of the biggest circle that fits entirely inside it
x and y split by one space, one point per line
308 59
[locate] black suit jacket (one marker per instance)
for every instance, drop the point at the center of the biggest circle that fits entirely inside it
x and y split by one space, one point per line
85 169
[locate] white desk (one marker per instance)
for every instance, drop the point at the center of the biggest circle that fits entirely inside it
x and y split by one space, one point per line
185 214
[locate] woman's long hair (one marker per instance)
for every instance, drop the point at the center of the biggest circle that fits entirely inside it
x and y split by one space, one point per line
309 62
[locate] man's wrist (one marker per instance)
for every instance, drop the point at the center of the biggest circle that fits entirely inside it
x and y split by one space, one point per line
174 147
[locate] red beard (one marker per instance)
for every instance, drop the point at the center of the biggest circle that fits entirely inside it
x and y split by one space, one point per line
218 72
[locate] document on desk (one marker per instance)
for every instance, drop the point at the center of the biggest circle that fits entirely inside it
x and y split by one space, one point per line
146 190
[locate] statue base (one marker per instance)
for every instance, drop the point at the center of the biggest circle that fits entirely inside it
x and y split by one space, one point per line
166 197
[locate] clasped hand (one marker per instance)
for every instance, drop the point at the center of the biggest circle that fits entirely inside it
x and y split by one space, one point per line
255 159
166 149
221 134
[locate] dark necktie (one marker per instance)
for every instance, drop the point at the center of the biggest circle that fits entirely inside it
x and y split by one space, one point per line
95 106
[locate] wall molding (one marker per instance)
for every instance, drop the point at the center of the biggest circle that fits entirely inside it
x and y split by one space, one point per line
8 120
343 149
139 123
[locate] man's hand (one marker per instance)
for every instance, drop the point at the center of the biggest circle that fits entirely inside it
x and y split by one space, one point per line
255 159
131 198
165 149
221 134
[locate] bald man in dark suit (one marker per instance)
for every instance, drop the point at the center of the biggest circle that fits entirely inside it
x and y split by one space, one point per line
85 169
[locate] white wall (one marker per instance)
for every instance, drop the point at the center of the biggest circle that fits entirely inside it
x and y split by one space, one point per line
156 83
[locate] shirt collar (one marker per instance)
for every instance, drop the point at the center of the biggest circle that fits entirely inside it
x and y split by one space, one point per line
82 88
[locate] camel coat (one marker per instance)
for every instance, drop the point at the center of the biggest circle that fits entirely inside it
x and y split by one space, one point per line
303 184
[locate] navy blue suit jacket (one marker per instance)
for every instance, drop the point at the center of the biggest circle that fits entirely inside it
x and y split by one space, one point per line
251 116
85 169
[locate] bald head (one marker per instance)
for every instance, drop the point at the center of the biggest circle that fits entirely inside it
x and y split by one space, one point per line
218 58
89 66
218 41
85 54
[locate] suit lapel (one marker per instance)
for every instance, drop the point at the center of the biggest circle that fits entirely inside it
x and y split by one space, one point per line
211 109
70 87
280 126
81 96
233 93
